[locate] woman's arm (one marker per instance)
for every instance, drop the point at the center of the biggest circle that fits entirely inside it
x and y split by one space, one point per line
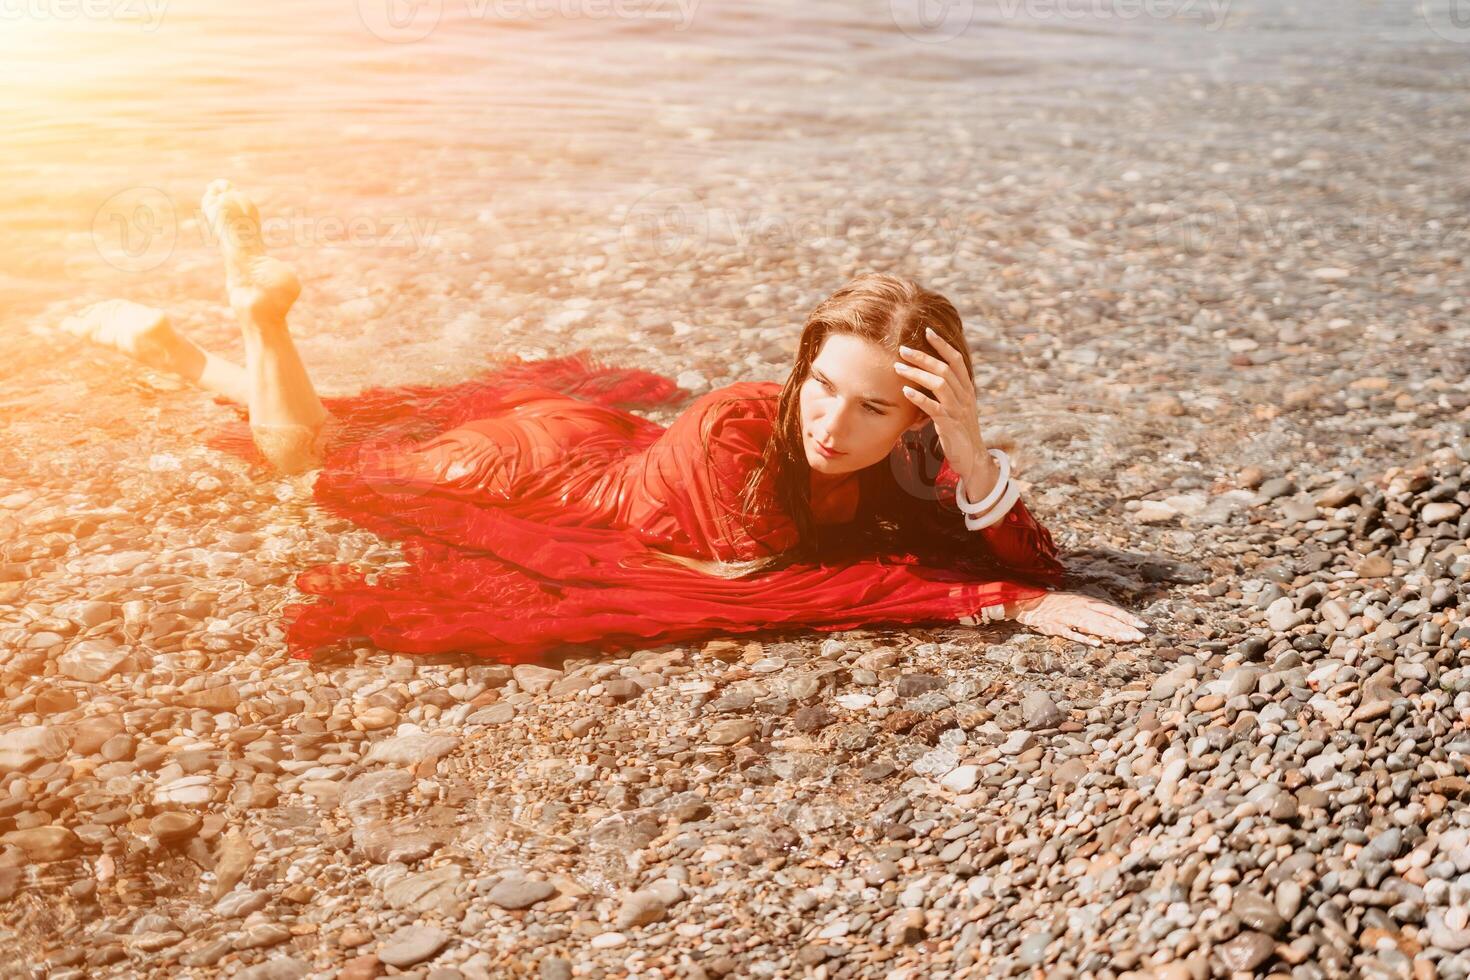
992 507
1020 541
1017 542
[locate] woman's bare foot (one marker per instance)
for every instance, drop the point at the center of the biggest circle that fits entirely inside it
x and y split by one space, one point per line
145 334
261 288
139 331
286 416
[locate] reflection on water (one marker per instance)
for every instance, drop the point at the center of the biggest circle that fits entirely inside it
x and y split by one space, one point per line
379 110
443 136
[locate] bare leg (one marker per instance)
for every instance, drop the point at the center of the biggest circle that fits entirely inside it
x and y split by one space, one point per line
146 335
287 419
286 416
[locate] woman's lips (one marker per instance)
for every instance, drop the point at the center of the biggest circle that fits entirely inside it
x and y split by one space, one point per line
824 450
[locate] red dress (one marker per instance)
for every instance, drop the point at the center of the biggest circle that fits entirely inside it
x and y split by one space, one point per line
526 501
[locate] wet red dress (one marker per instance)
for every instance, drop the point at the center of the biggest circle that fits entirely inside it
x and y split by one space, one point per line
527 499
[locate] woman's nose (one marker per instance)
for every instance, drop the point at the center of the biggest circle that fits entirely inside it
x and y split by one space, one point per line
835 423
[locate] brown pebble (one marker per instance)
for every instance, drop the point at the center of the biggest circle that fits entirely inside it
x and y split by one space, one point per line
175 826
90 734
353 936
54 701
365 967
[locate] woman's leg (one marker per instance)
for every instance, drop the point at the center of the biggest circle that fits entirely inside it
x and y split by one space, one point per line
146 335
521 448
286 417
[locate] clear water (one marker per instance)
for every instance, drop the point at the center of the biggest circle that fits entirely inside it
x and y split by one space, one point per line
456 175
426 128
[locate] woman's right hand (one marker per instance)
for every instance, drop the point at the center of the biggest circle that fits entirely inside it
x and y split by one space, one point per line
1077 617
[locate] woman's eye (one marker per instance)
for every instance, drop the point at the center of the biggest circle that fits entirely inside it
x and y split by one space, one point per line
828 385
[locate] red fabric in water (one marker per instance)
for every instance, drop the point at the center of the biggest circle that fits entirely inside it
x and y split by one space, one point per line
526 501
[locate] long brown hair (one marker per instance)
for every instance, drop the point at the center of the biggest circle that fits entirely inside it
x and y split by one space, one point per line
888 311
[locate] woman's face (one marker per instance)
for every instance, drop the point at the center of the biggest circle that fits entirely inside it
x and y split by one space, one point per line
852 401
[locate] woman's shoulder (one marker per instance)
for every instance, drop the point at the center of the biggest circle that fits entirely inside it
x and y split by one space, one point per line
729 422
741 399
700 469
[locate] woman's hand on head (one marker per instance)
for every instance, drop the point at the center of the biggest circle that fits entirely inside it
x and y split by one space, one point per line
952 406
1077 617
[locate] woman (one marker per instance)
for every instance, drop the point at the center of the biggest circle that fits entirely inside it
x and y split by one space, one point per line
535 511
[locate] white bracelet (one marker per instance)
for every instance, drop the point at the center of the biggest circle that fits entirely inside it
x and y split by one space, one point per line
995 492
1013 492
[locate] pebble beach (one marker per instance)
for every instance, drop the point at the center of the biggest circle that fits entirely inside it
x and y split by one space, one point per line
1214 280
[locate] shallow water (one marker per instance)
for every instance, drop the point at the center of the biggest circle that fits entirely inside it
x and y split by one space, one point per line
418 129
361 134
645 179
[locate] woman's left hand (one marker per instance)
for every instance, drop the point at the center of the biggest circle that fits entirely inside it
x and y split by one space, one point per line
956 420
1075 616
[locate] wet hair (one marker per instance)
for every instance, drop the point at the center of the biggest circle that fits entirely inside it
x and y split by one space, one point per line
888 311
